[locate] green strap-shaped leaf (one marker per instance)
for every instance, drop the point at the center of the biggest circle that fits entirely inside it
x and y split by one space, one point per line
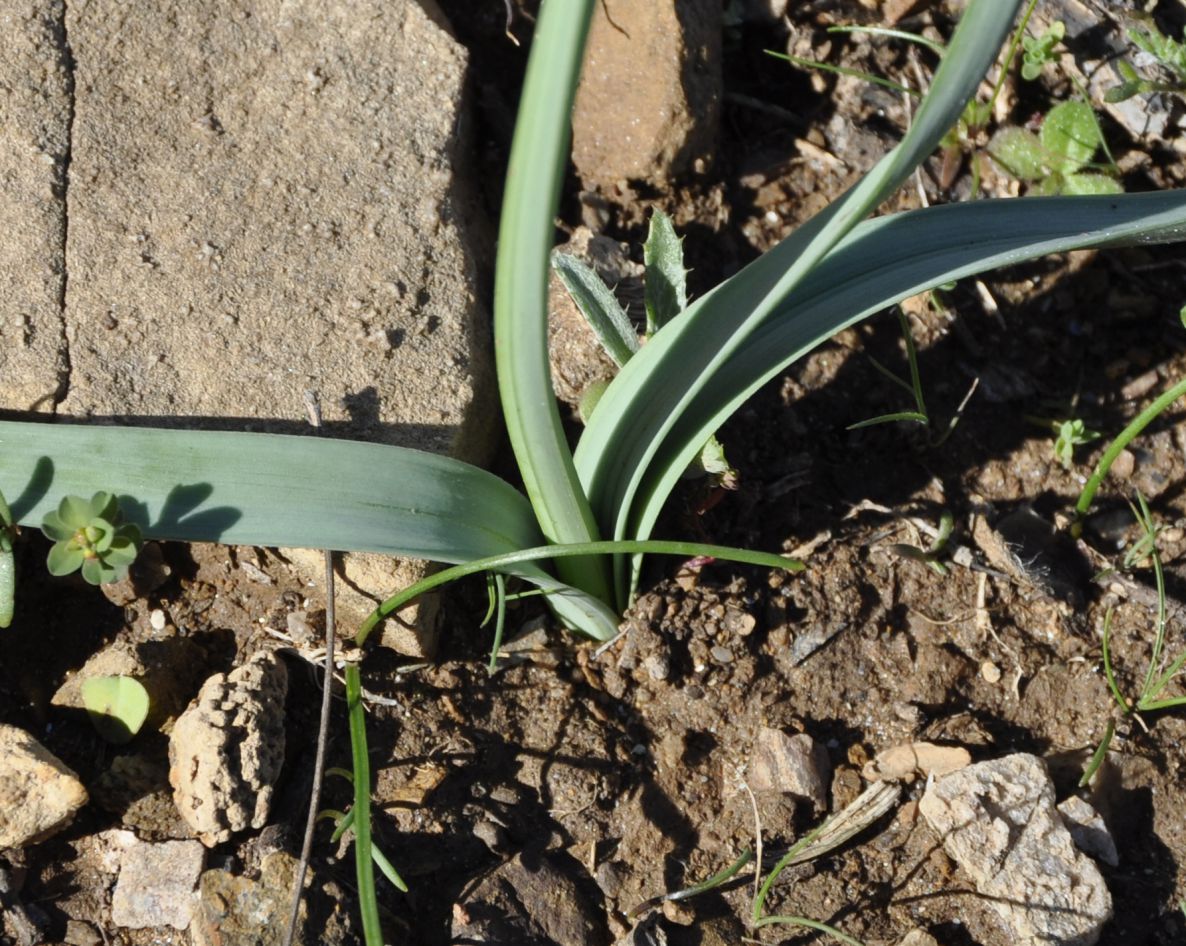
645 401
892 258
280 490
666 283
539 156
599 306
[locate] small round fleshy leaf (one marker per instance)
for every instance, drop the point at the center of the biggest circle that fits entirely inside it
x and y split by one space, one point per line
117 706
64 559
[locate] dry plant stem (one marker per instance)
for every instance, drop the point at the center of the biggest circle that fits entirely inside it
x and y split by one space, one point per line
327 686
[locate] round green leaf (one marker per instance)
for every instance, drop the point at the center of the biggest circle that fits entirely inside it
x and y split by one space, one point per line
1071 135
1084 184
54 528
1019 152
117 706
75 512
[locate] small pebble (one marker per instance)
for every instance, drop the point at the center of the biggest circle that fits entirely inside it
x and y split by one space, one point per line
678 912
156 618
990 672
722 655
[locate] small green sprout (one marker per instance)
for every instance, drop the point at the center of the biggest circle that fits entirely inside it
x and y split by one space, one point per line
1038 51
932 557
117 706
1057 159
91 535
1069 434
1170 56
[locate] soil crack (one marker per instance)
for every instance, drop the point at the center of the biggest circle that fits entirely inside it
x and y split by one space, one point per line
68 64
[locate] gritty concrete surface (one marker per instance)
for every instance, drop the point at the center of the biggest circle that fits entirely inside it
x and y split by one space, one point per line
35 96
262 201
211 208
648 106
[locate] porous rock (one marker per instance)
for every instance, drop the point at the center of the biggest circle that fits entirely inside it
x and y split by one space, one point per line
998 821
38 793
156 885
648 106
226 749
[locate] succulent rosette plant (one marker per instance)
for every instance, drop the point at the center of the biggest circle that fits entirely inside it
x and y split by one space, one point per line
91 535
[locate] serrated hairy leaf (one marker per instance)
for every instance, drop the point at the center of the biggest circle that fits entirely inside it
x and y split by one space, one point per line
666 285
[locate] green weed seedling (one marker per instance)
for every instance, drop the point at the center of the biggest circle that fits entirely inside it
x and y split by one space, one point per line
919 415
666 298
91 535
1169 56
1039 51
1056 160
586 516
932 556
870 806
1069 434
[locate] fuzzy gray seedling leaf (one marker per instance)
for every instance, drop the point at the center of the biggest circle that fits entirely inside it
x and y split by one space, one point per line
598 305
666 289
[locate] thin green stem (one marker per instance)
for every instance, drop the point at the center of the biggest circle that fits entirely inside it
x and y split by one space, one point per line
1010 53
809 924
787 858
845 71
1116 447
931 44
626 547
1109 673
1097 757
368 903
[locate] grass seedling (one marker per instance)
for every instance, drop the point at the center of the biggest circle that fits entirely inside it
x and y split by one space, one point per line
1117 446
1158 676
931 556
871 805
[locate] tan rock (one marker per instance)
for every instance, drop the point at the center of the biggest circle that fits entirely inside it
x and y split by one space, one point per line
792 764
35 92
156 885
38 793
648 106
904 763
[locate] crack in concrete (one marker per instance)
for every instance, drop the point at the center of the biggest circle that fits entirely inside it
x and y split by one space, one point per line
66 59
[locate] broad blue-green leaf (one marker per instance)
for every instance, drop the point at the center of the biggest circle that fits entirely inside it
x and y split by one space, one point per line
280 490
535 173
889 259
